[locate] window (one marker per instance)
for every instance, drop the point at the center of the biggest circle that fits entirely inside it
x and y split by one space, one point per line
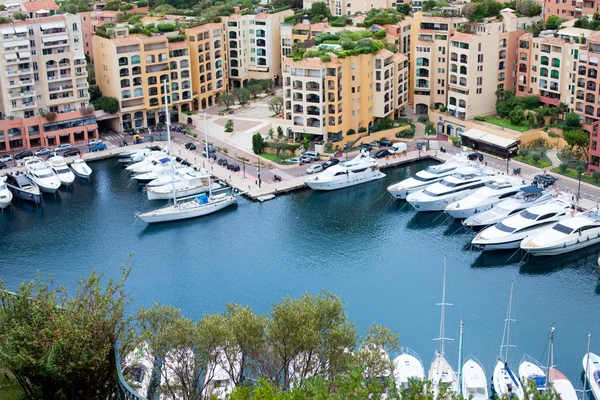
74 27
480 58
479 80
479 90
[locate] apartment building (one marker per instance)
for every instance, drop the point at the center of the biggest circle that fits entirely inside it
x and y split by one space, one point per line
463 70
254 46
351 7
327 99
90 21
43 84
571 9
133 69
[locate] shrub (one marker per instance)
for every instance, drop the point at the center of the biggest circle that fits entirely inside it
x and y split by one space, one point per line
142 3
51 116
328 146
19 15
535 156
479 118
362 129
553 135
257 143
229 125
423 119
523 152
563 167
596 176
350 132
379 34
126 7
166 27
455 141
178 38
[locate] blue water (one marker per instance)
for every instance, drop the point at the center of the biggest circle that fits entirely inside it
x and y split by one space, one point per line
381 257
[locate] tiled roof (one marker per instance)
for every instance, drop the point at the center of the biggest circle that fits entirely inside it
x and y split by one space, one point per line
304 27
400 57
463 37
33 6
125 41
261 16
178 45
319 27
525 37
36 20
153 39
314 62
594 36
556 41
423 43
385 53
427 18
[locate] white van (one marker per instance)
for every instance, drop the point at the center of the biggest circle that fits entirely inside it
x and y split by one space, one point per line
398 148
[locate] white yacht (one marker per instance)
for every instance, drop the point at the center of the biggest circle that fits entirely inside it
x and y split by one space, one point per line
484 198
22 187
81 169
426 177
149 163
591 367
5 194
60 168
474 383
528 196
191 183
360 169
570 234
39 172
186 208
531 370
509 233
133 156
560 384
161 168
452 188
407 365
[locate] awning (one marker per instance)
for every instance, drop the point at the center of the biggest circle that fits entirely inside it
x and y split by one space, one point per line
10 56
55 38
7 30
52 25
489 141
16 43
21 29
79 57
24 54
532 189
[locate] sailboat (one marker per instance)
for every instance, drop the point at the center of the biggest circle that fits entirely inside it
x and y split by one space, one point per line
471 375
440 372
591 369
531 369
190 207
560 384
407 365
505 382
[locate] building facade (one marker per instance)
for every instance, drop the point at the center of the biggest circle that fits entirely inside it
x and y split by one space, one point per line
351 7
570 9
90 21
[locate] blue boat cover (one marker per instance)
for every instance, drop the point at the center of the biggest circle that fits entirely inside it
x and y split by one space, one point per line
515 381
164 160
202 199
532 189
540 381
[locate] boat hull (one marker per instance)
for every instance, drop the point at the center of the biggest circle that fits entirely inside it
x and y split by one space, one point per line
402 193
182 192
468 212
437 204
561 248
474 383
315 184
180 212
5 202
506 383
47 189
25 195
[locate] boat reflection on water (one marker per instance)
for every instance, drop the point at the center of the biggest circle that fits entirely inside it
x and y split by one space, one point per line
428 220
495 259
585 259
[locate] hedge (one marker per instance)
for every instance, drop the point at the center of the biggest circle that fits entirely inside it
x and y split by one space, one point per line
285 146
479 118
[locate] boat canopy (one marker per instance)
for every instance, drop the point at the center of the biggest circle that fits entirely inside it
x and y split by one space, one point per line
165 160
532 189
540 381
202 199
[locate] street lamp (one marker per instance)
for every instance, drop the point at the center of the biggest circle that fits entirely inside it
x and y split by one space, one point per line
258 162
244 167
580 171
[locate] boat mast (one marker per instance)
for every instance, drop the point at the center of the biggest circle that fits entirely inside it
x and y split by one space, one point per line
208 159
460 354
168 123
550 356
443 304
587 367
507 321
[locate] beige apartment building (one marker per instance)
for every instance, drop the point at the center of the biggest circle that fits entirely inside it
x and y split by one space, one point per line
463 70
351 7
133 69
327 99
90 21
43 83
571 9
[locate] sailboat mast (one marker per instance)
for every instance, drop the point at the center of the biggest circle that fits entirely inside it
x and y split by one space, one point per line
550 356
442 327
460 354
168 123
208 158
587 367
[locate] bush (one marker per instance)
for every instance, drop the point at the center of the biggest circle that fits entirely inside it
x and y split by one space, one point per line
328 146
178 38
480 118
553 135
126 7
229 125
523 152
51 116
563 167
166 28
142 3
108 104
350 132
535 156
19 15
257 143
362 129
423 119
456 142
379 34
596 176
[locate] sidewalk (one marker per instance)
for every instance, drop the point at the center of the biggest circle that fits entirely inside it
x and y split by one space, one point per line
552 155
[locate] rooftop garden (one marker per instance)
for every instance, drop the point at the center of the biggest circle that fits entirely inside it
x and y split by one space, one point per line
351 43
477 10
584 22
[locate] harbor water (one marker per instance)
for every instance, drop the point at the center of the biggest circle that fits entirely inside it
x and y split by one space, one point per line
380 256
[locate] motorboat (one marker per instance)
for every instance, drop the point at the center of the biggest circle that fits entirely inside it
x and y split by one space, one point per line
22 187
150 163
531 370
450 189
484 199
186 208
591 368
509 233
407 366
559 383
191 183
161 170
60 168
529 196
133 156
139 366
505 384
360 169
81 169
570 234
440 372
426 177
474 383
218 384
39 172
5 194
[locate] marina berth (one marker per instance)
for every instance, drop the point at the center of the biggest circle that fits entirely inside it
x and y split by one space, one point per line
452 188
60 168
528 196
509 233
5 194
39 172
23 188
361 169
81 169
570 234
427 177
485 198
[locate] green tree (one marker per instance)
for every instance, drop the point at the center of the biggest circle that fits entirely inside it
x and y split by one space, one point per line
571 121
254 90
108 104
596 176
403 8
112 5
429 5
523 152
226 99
276 105
528 8
242 95
516 116
319 8
95 93
229 125
19 16
535 156
563 167
578 139
72 8
62 347
257 143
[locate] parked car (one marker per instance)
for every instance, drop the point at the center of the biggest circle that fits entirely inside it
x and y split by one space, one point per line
94 142
5 158
62 147
330 163
475 157
211 149
190 146
98 147
385 143
23 154
294 160
398 148
210 155
3 165
311 155
223 162
72 152
314 169
44 151
548 180
382 153
365 147
233 167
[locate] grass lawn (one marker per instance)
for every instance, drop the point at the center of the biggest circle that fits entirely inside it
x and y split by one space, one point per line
544 162
504 122
573 174
274 158
10 389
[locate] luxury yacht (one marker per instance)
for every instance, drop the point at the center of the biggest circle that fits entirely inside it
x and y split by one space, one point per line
196 206
39 172
134 156
452 188
570 234
509 233
426 177
191 183
60 168
150 163
5 194
360 169
162 168
81 169
484 198
22 187
529 196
